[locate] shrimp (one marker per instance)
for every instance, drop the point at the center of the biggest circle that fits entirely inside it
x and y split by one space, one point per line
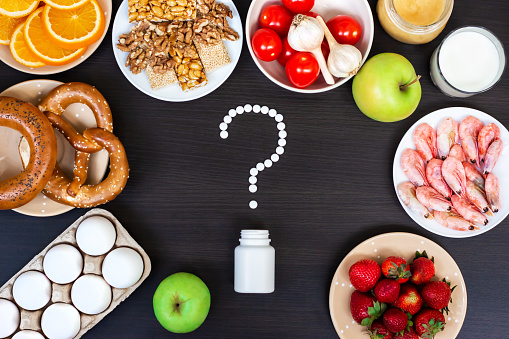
492 155
488 133
406 192
493 192
457 152
454 221
429 197
476 197
472 174
435 178
447 136
469 130
425 140
468 211
454 175
413 166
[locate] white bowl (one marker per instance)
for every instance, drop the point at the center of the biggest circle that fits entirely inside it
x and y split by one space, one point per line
357 9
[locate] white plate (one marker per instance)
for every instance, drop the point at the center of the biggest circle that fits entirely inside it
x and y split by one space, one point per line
215 79
6 57
458 114
79 116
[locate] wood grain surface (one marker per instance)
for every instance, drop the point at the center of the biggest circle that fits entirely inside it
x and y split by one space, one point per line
187 197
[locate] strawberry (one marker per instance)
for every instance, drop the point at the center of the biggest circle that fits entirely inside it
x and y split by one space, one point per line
379 331
409 333
364 274
428 322
437 294
409 299
365 308
395 320
422 268
387 290
396 268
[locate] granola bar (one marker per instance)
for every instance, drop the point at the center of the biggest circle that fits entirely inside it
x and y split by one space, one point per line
188 66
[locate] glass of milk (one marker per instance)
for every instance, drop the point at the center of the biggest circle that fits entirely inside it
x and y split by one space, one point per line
468 61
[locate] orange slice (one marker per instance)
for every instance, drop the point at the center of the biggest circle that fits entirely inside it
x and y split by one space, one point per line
66 4
20 51
74 28
38 43
7 26
17 8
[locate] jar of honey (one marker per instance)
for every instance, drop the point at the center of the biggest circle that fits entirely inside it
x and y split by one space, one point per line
414 21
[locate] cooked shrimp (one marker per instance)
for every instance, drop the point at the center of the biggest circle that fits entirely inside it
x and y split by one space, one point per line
487 134
472 174
435 178
454 221
425 140
493 192
468 211
413 166
469 130
429 197
447 136
457 152
476 197
406 191
492 155
454 175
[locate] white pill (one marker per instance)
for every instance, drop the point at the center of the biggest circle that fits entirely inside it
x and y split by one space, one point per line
96 235
256 108
223 134
232 113
265 110
240 110
279 117
268 163
122 267
253 204
63 264
281 126
248 108
280 150
281 142
227 119
61 321
282 134
272 113
253 172
260 167
253 188
253 180
32 290
274 158
223 126
9 318
27 334
91 294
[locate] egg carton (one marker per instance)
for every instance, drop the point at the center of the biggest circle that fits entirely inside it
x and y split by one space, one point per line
31 320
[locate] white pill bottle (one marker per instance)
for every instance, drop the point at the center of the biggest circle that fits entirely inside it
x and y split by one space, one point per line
255 263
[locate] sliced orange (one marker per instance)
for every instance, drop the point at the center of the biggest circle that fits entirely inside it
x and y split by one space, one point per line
20 51
66 4
38 43
7 26
74 28
17 8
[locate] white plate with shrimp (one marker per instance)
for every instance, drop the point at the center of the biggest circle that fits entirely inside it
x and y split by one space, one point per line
500 170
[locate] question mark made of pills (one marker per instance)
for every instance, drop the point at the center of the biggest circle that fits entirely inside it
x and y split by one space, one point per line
280 149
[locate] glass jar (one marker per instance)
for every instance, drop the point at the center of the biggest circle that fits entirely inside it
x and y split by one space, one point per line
419 32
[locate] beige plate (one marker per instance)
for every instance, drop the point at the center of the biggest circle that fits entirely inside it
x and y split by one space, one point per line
6 57
403 245
79 116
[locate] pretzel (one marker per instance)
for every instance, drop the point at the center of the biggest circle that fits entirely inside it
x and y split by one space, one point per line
74 192
35 127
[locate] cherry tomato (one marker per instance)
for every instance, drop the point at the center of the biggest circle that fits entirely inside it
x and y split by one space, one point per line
325 49
302 69
345 29
286 54
266 44
313 14
277 18
299 6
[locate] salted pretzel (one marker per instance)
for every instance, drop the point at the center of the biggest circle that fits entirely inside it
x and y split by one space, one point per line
74 192
35 127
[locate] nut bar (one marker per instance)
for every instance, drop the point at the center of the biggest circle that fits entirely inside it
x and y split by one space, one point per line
210 46
205 6
188 66
217 16
161 10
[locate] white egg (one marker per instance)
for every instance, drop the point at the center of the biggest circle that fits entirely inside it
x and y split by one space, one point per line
96 235
9 318
63 264
27 334
122 267
61 321
32 290
91 294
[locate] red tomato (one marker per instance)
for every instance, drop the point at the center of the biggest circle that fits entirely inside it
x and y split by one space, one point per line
299 6
277 18
266 44
313 14
345 29
286 54
302 69
325 49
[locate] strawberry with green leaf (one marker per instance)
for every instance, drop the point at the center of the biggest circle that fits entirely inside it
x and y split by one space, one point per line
396 268
409 333
429 322
409 299
379 331
437 294
365 308
422 268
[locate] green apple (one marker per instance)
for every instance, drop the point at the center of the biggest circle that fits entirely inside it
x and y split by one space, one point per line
181 302
386 88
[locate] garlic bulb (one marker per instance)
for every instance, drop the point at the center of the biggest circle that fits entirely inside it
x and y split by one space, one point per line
306 35
344 60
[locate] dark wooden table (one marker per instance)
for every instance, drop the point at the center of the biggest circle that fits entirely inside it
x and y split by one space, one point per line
187 197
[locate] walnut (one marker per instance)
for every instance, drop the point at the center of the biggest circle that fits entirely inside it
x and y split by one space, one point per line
206 33
205 6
